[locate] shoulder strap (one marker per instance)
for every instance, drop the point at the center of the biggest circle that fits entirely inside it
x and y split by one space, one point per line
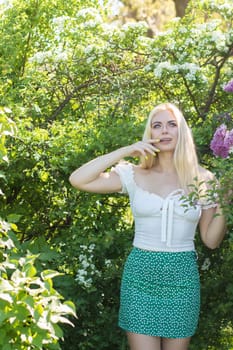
125 171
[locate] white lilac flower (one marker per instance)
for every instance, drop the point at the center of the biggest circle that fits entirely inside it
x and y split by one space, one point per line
148 68
41 57
190 76
183 30
206 264
192 68
160 67
87 267
86 11
89 49
62 56
134 25
90 59
189 41
85 264
175 19
81 257
82 273
225 7
108 262
59 21
90 13
90 24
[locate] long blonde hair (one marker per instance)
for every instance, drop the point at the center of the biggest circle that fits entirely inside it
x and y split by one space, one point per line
185 156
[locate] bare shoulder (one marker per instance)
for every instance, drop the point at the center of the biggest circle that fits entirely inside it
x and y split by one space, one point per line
139 170
206 174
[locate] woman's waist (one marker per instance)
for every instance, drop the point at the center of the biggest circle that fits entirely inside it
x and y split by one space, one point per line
159 238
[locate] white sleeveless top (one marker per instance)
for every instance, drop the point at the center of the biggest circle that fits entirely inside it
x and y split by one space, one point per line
161 224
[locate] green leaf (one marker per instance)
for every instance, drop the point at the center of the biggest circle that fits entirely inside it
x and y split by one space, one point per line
30 270
2 336
58 331
6 297
6 347
48 274
13 218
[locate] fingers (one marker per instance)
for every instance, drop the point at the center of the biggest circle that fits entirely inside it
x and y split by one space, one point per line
153 140
145 147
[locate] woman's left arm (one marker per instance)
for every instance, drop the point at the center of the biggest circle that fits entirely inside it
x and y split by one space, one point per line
212 226
212 223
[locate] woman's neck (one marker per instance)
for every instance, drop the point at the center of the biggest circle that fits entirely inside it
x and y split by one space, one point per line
165 163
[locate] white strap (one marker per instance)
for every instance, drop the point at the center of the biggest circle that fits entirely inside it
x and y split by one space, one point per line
164 221
170 221
167 220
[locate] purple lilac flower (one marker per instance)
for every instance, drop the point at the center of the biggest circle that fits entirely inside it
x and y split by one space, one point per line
229 139
221 141
229 86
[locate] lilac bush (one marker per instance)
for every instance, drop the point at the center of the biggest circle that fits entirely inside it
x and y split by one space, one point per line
229 86
222 142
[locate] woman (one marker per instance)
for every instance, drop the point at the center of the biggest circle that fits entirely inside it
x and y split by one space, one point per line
160 288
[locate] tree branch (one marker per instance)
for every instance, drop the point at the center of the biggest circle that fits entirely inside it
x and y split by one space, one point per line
211 94
191 96
84 85
70 96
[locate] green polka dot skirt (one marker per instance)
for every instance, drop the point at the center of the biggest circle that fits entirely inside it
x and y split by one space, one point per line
160 294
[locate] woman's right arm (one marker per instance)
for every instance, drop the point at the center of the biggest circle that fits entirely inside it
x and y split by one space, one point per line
91 177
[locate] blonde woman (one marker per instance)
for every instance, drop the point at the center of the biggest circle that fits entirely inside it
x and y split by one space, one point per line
160 291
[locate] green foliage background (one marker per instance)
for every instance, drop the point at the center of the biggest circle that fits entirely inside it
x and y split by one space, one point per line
79 86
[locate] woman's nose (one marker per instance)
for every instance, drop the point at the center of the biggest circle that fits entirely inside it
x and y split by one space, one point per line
164 129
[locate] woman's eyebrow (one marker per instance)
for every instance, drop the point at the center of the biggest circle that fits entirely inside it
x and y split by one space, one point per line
158 122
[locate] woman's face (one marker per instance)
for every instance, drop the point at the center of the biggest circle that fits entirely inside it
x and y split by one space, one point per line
164 127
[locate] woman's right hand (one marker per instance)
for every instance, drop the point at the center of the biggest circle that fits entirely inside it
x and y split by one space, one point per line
142 148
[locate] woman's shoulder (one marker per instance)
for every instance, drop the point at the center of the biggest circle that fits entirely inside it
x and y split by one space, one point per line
135 167
123 168
205 174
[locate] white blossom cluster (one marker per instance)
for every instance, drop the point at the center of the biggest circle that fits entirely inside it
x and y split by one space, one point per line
141 25
220 40
41 57
134 27
189 69
92 51
57 55
84 19
206 264
90 17
87 268
5 5
59 23
224 8
88 11
211 35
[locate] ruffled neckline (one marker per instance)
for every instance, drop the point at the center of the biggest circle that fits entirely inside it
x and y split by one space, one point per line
174 193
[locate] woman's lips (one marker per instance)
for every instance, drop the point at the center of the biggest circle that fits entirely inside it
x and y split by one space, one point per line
165 139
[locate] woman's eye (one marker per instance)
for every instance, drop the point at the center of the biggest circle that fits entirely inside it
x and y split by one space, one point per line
156 126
